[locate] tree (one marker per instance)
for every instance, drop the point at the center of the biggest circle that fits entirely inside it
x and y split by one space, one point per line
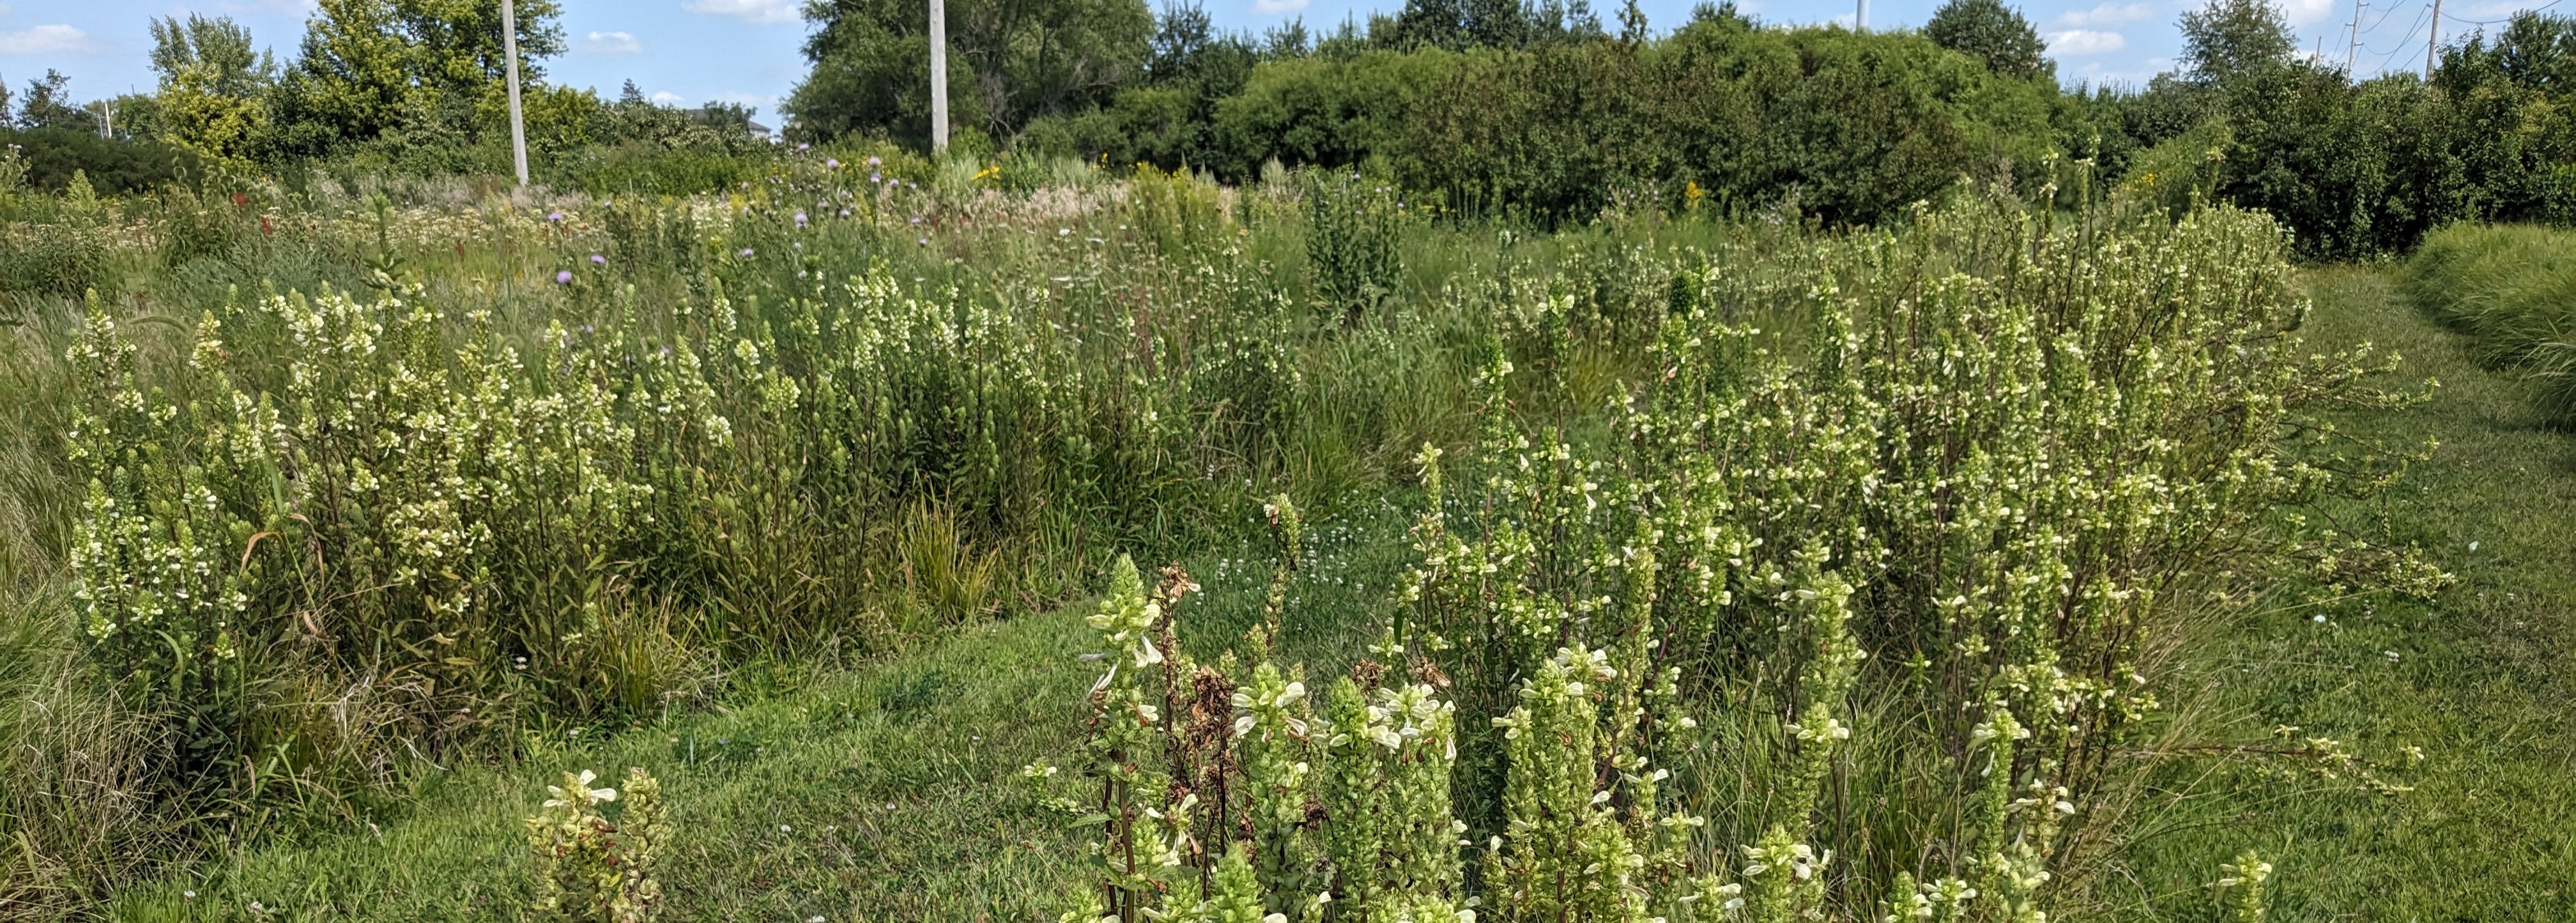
1019 60
49 105
213 86
2229 39
1991 32
370 66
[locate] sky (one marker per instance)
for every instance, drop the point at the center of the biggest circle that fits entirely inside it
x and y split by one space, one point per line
745 51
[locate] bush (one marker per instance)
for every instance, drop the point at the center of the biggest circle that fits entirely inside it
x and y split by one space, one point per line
114 166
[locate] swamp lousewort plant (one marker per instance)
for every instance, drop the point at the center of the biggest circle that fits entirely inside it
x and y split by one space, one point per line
590 870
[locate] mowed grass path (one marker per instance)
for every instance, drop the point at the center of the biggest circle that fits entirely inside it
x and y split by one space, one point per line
881 793
2483 678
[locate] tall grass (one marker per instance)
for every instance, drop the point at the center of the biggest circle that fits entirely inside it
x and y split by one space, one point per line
2513 288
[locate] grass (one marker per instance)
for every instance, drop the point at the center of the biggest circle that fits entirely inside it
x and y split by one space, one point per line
2479 678
2513 289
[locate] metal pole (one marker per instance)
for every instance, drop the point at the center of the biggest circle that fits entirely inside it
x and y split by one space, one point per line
510 47
938 76
1860 20
2354 46
2432 41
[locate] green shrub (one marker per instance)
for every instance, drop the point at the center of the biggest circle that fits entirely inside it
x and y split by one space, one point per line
114 166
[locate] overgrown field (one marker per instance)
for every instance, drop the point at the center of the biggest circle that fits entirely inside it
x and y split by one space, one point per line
1656 568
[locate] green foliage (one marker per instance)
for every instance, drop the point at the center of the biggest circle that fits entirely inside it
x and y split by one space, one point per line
1991 32
2228 40
114 166
1011 61
1847 127
212 85
49 104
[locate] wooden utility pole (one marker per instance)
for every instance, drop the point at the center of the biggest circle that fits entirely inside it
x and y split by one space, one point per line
939 76
2353 47
2433 41
510 47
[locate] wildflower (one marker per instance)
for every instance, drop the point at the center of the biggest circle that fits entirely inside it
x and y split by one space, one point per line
556 217
580 788
831 163
597 259
563 277
875 162
745 254
800 219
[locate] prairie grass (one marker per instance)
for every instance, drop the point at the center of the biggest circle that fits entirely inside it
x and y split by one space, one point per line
2513 289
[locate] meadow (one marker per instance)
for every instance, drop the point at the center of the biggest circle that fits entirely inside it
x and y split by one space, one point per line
1024 540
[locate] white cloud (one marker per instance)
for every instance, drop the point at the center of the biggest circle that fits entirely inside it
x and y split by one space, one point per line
2085 41
757 12
2303 12
667 98
1276 7
611 43
45 40
2108 14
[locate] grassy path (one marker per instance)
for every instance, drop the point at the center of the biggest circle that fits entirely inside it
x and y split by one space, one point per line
2481 678
881 793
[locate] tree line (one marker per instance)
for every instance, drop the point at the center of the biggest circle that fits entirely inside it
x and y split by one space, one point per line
1539 108
410 86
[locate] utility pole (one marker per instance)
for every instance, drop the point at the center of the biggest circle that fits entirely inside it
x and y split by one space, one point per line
2432 41
939 76
2354 46
1860 20
510 47
107 118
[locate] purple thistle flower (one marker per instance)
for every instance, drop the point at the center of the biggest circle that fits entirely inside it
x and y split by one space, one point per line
564 277
556 217
831 163
598 260
745 254
874 162
800 219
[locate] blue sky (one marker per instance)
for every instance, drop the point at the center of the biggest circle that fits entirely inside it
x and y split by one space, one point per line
745 51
